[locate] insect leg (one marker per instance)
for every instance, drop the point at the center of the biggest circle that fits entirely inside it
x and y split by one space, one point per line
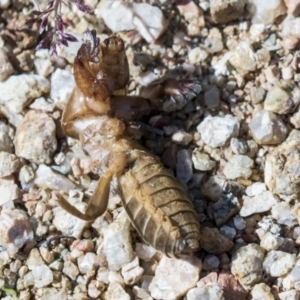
97 204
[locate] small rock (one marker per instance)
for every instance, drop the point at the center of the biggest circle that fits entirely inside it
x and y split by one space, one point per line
42 276
36 129
116 292
216 131
88 262
193 14
210 262
228 231
267 12
293 7
174 277
238 166
117 243
43 66
238 146
48 179
213 188
278 263
42 104
30 86
270 241
258 204
70 270
212 98
6 69
93 290
144 252
184 166
62 85
225 208
257 94
201 161
181 137
283 213
141 293
289 295
4 4
214 43
211 291
247 265
15 229
67 223
34 259
213 241
267 128
9 192
197 55
9 164
231 287
283 98
224 12
262 291
243 58
118 16
239 223
26 174
132 272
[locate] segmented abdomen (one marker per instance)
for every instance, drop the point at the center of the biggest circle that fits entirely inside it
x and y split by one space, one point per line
159 207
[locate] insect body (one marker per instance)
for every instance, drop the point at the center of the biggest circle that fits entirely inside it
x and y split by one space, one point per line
154 200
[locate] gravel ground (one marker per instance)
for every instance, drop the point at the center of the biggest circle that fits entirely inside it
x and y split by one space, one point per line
235 146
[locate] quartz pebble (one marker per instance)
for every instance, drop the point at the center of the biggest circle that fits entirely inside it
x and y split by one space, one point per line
46 178
67 223
258 203
15 229
148 20
132 272
42 276
210 291
88 262
238 166
201 161
197 55
62 85
289 295
36 129
30 86
9 164
117 243
116 292
278 263
267 128
247 265
181 137
70 269
174 277
144 252
262 291
8 192
224 12
216 131
193 14
267 12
